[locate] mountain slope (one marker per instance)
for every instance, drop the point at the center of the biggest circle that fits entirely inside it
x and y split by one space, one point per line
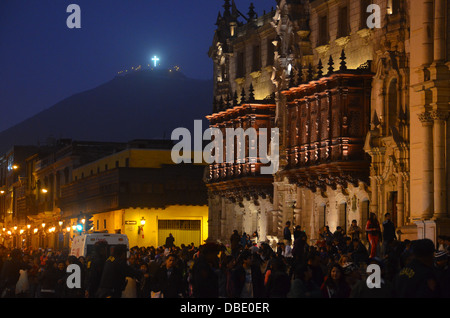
141 105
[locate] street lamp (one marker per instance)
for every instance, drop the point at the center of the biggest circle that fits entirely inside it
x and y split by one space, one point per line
141 227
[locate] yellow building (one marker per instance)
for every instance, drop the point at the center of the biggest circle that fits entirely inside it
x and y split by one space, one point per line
188 224
140 192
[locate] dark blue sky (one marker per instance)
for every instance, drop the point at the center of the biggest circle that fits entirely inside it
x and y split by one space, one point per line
42 61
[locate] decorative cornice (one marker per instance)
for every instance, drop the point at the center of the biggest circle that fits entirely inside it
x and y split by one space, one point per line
425 117
437 114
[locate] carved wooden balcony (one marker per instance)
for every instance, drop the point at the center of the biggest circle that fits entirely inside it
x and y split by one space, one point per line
241 179
327 122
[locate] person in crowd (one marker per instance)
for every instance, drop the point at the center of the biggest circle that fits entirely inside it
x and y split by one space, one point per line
144 284
442 272
114 275
406 254
170 241
247 279
300 247
10 273
245 240
75 292
358 252
33 277
303 285
169 279
338 235
326 235
373 232
278 283
441 243
205 277
226 266
61 283
354 231
235 243
287 236
94 268
314 263
49 278
418 279
389 234
335 285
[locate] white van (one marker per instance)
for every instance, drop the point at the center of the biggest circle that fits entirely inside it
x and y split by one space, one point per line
83 245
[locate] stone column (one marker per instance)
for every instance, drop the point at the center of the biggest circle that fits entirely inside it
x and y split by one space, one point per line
439 139
440 10
427 166
297 219
427 32
263 220
374 196
400 200
275 222
213 218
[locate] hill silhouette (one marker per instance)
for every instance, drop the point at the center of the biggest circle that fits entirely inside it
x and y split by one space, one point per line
147 104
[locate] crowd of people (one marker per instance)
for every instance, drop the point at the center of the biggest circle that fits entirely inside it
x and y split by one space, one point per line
335 266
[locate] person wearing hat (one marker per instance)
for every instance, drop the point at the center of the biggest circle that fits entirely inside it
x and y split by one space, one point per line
418 279
442 271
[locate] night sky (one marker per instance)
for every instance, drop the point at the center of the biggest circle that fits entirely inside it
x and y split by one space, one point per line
42 61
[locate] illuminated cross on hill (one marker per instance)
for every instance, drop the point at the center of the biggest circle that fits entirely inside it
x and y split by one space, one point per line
155 59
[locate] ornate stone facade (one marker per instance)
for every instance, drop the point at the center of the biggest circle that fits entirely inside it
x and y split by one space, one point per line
401 121
240 197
